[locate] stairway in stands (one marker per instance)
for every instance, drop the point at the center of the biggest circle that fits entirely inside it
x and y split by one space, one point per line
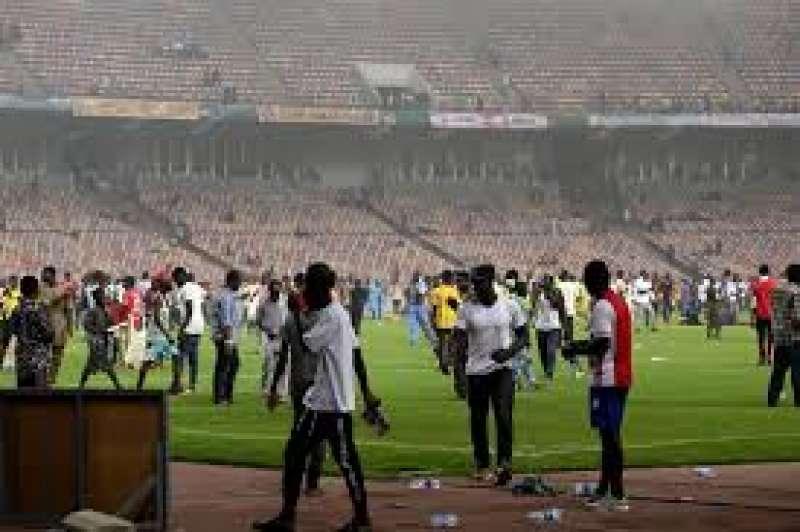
413 236
640 233
129 209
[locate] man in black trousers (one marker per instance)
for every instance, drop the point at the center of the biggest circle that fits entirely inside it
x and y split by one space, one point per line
786 331
329 404
489 331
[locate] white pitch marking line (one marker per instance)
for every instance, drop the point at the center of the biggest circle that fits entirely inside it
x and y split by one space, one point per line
554 451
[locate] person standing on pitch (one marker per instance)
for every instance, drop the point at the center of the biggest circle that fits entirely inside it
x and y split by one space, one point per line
570 290
713 311
189 299
54 299
302 363
228 311
417 311
549 312
270 318
762 313
443 312
667 289
643 300
491 333
786 329
30 324
97 324
329 404
609 351
10 301
358 302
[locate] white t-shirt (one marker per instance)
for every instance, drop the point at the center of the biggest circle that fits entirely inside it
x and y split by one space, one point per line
547 318
643 291
702 290
332 339
194 294
488 330
743 289
569 289
603 324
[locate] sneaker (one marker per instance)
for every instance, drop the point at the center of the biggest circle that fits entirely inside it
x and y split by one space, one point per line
596 501
502 477
618 505
273 525
484 476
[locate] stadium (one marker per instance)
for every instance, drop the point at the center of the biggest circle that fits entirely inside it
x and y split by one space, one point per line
395 141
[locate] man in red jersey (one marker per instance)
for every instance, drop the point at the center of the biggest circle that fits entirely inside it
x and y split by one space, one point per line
762 313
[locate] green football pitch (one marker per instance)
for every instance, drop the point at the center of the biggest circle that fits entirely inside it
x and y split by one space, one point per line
694 401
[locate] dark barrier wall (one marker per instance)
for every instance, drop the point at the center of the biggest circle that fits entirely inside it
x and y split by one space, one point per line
61 451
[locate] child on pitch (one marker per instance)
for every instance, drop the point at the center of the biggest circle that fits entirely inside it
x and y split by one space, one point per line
99 336
609 353
329 403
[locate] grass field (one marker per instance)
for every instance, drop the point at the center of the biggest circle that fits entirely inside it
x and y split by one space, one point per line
698 402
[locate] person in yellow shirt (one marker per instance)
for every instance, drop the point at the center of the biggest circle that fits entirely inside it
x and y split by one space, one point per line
443 300
10 302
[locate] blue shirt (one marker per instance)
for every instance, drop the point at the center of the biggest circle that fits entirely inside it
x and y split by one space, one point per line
228 313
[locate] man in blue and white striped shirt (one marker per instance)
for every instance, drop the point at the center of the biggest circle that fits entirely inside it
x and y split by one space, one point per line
227 324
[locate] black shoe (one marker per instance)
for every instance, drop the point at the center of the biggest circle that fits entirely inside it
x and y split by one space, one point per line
353 526
502 477
376 418
273 525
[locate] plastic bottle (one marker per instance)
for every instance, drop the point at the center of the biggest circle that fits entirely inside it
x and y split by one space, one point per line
444 520
550 515
585 489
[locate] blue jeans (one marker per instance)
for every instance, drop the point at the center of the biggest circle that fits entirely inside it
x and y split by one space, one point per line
548 342
188 348
417 321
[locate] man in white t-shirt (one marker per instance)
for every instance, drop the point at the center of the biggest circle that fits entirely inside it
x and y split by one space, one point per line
189 298
490 330
569 292
548 313
643 300
270 318
329 404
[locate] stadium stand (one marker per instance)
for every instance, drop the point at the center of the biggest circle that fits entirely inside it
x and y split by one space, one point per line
257 227
545 55
51 223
